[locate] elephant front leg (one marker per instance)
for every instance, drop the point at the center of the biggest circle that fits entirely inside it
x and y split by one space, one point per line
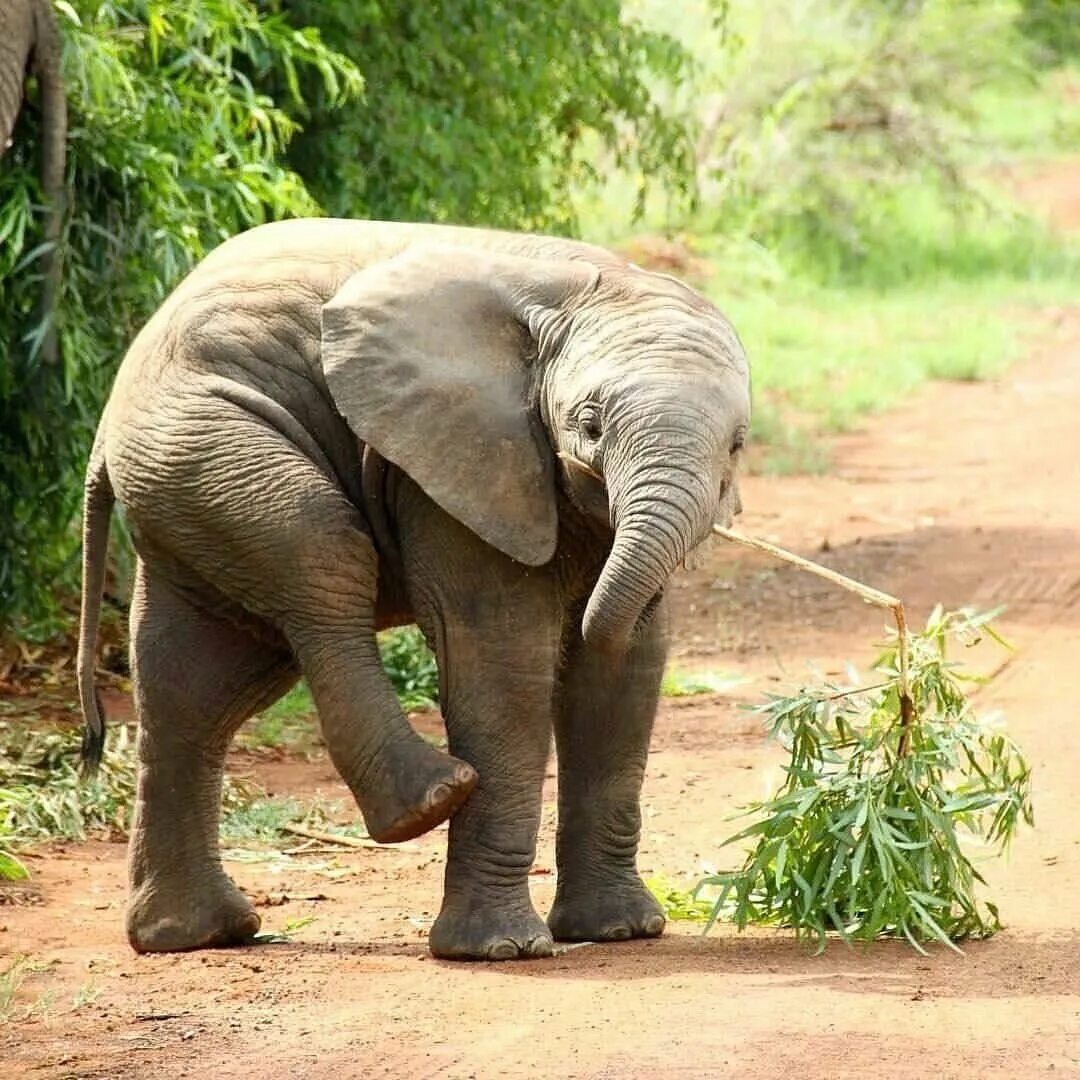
487 912
494 626
602 732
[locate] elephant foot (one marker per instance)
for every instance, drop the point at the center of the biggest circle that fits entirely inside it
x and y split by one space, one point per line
190 917
427 787
468 931
615 912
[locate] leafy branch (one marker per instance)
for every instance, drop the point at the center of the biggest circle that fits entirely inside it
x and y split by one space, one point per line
865 837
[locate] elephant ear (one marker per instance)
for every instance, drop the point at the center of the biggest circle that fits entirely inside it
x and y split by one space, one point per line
428 357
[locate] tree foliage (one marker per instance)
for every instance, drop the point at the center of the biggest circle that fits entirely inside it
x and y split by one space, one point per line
816 152
826 128
172 148
476 109
183 125
1053 27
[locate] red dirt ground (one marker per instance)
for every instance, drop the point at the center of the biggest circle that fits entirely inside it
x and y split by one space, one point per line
968 494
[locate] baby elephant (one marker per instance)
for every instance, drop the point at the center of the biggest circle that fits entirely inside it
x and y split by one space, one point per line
332 427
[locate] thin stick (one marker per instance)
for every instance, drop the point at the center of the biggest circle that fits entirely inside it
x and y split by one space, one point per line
345 841
870 595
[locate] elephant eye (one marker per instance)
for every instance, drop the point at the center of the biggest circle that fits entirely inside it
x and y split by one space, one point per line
738 442
589 422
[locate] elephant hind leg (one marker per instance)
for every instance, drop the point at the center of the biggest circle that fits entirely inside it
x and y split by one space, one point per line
196 678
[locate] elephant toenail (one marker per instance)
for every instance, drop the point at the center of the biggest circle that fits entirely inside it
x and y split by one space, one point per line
654 925
438 795
618 933
504 950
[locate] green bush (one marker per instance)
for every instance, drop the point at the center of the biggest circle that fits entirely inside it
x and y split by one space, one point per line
410 664
170 151
1053 27
476 109
848 139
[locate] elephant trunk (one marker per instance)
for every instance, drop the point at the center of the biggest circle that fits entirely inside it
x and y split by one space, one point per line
660 512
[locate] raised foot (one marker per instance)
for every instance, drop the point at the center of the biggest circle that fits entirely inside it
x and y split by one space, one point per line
424 787
614 913
190 916
468 932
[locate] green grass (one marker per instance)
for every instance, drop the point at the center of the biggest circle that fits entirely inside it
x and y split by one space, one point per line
42 797
824 360
261 820
679 904
680 683
411 666
11 979
289 722
839 331
1033 117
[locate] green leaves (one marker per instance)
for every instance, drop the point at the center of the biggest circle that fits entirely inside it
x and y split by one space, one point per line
485 112
10 868
411 667
172 147
42 796
864 841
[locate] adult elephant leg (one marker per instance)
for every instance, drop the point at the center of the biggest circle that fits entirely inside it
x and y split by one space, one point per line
196 679
602 731
495 628
243 508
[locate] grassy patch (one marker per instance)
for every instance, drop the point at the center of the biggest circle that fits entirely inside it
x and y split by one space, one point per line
679 683
289 722
263 820
825 359
1029 117
679 904
11 978
42 796
836 332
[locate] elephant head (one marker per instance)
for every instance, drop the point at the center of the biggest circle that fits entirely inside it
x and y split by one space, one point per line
30 42
492 378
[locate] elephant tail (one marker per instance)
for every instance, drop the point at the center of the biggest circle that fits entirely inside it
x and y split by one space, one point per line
98 502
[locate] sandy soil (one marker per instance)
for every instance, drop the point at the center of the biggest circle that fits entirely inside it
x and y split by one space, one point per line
968 494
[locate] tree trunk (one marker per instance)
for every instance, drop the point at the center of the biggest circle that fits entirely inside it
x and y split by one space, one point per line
29 37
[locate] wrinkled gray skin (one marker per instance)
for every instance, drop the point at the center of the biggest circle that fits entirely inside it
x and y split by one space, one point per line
30 44
332 427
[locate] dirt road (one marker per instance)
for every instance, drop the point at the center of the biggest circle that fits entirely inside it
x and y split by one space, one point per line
969 494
